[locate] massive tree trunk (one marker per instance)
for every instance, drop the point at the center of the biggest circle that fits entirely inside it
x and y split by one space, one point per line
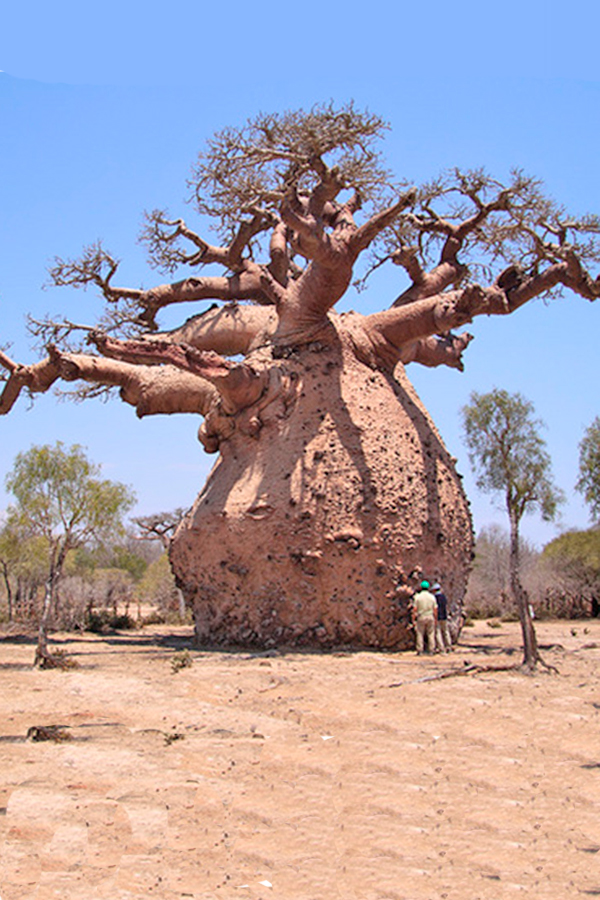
324 509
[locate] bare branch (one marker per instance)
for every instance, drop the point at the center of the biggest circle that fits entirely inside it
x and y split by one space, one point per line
249 284
95 266
381 220
161 235
279 265
255 166
160 526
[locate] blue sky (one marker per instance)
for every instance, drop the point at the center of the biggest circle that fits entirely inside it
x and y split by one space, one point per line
103 108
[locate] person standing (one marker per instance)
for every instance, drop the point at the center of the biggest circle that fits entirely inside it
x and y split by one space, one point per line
443 639
424 615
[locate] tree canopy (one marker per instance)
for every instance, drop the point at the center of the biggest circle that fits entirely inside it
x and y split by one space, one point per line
575 560
509 457
61 499
295 199
589 468
60 496
508 453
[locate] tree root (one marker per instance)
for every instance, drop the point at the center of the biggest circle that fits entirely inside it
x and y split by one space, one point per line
530 669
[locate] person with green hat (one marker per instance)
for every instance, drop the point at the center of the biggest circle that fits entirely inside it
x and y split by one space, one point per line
424 616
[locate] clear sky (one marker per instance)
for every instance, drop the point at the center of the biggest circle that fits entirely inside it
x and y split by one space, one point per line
104 107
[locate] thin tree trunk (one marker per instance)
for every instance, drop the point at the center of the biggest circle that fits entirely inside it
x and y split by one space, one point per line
42 655
9 594
530 648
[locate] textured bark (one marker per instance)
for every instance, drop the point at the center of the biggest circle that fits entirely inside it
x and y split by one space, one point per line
531 654
315 529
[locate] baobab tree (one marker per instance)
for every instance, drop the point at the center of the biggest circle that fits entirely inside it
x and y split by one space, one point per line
332 493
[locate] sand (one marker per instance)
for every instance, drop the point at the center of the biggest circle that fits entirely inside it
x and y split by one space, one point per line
301 775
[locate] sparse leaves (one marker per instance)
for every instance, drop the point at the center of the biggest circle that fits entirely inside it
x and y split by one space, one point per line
297 197
60 496
251 170
508 454
589 468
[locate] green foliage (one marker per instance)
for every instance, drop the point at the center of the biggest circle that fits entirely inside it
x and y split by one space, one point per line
573 560
507 453
578 554
589 468
583 546
119 556
60 496
21 554
61 500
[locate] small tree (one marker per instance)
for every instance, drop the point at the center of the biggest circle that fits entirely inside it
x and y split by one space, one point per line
60 497
508 456
589 468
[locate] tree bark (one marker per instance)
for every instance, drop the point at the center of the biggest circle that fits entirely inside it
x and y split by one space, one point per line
43 658
531 654
315 526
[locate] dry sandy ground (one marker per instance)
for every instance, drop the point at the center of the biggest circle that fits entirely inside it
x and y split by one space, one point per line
300 775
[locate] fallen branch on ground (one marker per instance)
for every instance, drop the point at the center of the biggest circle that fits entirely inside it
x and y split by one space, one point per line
470 670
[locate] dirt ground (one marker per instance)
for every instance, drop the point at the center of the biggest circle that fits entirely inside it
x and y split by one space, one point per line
300 775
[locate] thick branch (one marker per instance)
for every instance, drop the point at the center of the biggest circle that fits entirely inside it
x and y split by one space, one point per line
425 284
436 350
230 330
326 190
37 378
150 390
308 237
279 253
570 273
443 312
237 383
363 236
439 314
250 284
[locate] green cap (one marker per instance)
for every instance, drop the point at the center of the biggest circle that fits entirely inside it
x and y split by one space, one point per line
424 585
